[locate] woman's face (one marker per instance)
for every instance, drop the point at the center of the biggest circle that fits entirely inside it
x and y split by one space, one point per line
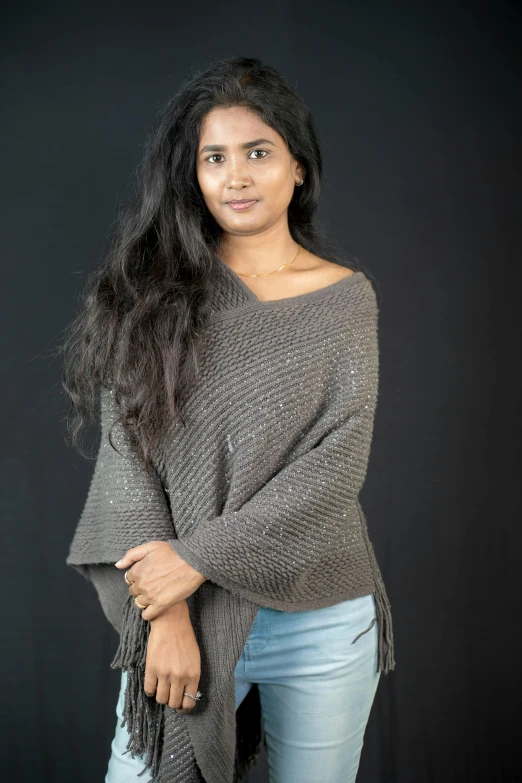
240 157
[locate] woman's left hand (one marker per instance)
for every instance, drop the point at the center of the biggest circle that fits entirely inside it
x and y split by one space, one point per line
160 577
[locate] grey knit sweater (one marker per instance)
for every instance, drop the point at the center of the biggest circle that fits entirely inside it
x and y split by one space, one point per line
258 492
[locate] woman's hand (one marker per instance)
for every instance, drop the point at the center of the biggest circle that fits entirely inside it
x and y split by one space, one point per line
160 579
173 663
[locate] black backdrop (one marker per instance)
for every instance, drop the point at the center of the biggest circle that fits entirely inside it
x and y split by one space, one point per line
415 106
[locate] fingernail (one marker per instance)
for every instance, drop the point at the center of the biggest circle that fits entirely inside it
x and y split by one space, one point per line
118 563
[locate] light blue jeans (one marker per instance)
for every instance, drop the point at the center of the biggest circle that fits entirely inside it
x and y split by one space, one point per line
317 676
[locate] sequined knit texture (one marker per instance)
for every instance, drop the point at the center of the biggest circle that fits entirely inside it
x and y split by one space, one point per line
259 493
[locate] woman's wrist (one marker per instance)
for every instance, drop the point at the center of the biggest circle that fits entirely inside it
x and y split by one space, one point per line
178 610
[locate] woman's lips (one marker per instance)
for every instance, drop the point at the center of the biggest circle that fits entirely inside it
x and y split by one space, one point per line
239 205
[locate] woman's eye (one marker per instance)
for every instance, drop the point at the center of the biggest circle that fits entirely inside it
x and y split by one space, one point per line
218 155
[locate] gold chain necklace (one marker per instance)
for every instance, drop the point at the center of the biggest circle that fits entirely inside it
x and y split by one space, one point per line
273 270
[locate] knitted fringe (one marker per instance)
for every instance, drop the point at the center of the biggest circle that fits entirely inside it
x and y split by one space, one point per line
142 713
384 620
248 734
386 648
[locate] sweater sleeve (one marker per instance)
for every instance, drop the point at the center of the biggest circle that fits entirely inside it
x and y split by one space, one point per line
126 504
123 501
267 549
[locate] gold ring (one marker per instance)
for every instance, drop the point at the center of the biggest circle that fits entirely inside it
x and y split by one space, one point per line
138 604
126 580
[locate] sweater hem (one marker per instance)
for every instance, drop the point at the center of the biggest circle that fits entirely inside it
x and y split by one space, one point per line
109 557
218 578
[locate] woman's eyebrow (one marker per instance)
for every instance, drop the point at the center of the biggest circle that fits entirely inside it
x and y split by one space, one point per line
222 147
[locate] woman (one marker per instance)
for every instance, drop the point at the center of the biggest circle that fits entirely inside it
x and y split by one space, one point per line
236 359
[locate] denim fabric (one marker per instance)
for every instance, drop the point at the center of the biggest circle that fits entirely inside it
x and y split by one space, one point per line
317 677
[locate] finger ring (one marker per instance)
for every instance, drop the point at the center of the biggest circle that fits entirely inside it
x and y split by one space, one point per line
126 580
197 697
138 604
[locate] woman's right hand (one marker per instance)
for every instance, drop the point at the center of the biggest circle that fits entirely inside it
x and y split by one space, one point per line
173 663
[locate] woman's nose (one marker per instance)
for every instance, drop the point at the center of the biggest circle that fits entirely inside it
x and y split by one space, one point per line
237 174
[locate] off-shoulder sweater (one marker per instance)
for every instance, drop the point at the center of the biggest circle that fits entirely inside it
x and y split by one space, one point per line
258 490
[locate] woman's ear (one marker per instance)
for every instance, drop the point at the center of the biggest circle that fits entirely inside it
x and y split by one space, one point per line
299 173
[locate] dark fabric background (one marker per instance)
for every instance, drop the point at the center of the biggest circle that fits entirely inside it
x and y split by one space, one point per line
415 106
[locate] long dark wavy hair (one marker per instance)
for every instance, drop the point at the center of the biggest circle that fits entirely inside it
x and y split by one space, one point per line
144 307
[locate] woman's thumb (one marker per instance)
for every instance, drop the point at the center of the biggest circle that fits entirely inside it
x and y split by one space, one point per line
131 556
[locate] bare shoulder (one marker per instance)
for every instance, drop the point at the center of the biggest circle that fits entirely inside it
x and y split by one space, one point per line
327 271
